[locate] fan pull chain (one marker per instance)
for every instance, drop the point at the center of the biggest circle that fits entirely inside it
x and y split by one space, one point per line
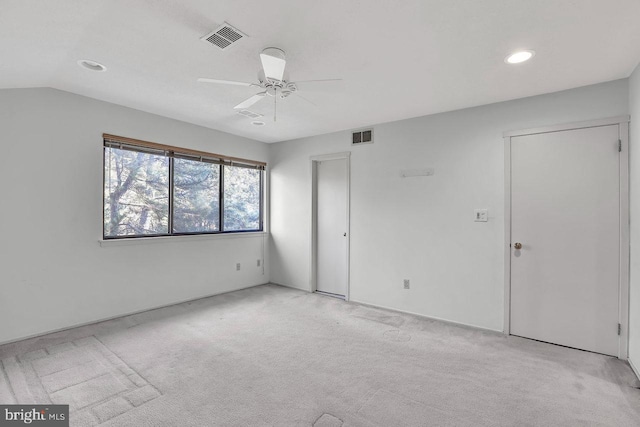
275 103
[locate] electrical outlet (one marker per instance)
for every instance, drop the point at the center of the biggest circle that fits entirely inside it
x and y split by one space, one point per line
407 284
238 267
258 263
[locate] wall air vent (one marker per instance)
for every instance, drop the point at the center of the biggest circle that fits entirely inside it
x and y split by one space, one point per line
249 114
224 36
362 137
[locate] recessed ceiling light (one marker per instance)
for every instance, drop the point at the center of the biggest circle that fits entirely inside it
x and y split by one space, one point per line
519 56
257 123
91 65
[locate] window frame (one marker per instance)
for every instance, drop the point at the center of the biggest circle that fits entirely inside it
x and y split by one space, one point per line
171 152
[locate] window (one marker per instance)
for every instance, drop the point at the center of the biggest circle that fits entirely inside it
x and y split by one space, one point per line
241 198
196 196
157 190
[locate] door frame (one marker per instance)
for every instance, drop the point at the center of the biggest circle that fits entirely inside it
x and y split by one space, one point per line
623 285
346 155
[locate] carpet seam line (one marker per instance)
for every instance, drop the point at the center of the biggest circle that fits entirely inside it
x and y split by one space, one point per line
6 376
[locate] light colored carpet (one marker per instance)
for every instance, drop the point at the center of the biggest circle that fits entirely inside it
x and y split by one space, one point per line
273 356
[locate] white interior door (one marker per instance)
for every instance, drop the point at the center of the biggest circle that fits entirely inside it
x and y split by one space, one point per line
565 212
332 193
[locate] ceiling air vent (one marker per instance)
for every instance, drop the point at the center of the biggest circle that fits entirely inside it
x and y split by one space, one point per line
249 114
362 137
224 36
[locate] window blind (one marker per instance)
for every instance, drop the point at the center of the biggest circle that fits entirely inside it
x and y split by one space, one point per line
124 143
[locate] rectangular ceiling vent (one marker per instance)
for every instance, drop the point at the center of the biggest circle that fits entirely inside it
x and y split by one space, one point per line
224 36
249 114
362 137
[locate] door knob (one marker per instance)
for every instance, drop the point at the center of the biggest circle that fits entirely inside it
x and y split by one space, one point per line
345 234
517 245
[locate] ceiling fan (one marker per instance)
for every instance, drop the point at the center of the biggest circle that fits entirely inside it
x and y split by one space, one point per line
272 79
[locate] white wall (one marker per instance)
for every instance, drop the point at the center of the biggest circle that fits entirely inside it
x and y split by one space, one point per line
634 188
53 272
422 228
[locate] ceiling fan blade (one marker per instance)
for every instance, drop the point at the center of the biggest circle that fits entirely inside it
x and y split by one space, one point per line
317 81
302 97
225 82
249 102
273 63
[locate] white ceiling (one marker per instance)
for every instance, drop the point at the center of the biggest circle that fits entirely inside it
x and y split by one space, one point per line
397 58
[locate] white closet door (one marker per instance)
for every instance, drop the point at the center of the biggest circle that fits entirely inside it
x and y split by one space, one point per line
565 212
332 268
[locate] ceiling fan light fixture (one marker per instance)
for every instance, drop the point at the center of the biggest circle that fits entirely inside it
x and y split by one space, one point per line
519 56
91 65
273 62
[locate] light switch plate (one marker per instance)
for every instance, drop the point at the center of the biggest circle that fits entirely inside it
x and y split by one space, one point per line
480 215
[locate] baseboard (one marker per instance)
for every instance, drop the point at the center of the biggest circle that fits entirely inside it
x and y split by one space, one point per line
633 368
289 286
424 316
105 319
